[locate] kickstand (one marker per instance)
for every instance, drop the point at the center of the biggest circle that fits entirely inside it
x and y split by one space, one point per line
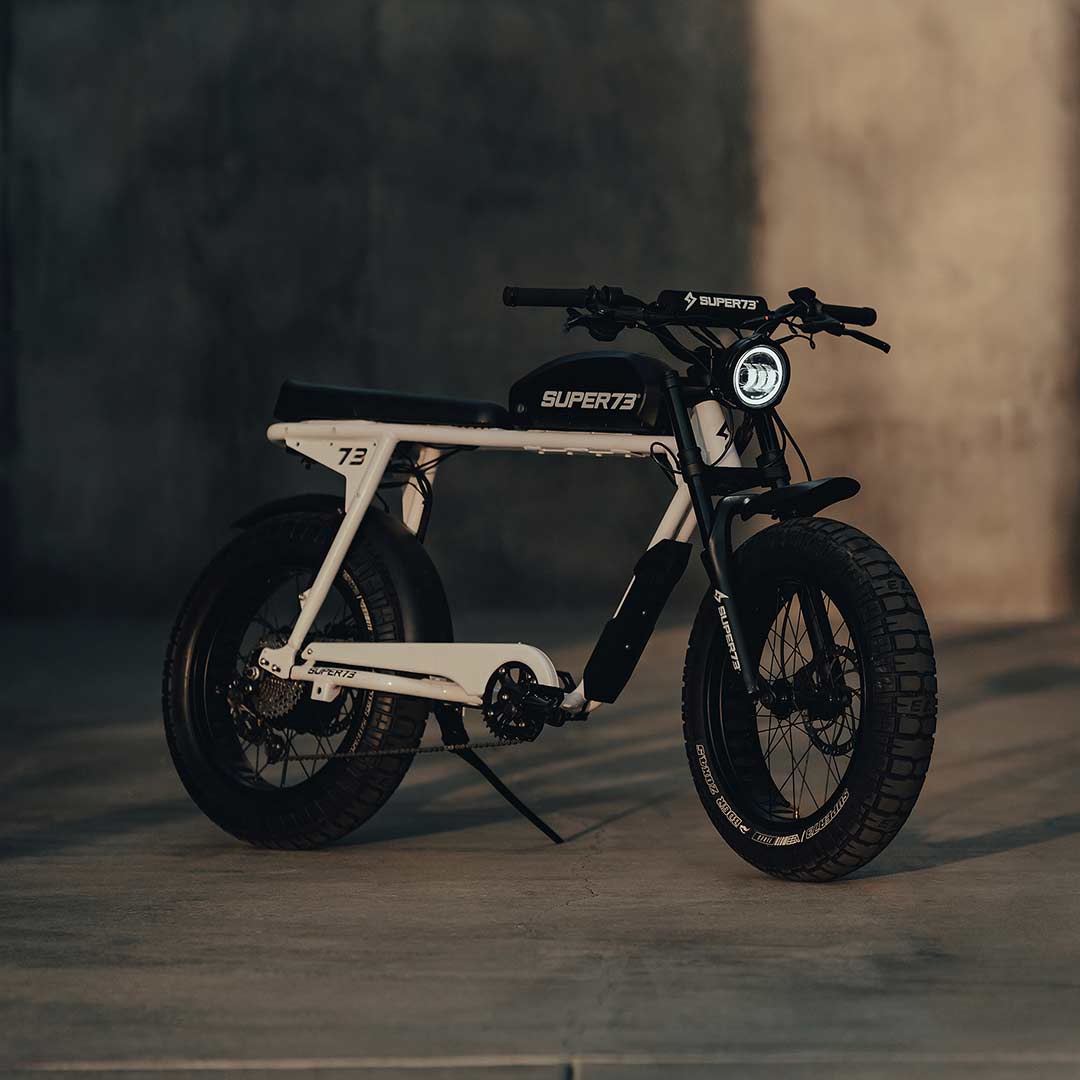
453 731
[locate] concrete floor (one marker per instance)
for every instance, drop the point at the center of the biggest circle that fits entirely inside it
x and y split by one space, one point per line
449 939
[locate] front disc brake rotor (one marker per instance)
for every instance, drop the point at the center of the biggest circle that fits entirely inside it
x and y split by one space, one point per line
825 706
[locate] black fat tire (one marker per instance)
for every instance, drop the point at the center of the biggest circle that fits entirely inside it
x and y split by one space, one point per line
896 732
344 793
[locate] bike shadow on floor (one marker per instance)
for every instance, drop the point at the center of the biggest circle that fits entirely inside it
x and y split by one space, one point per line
417 824
1004 776
455 799
634 780
99 830
599 777
910 853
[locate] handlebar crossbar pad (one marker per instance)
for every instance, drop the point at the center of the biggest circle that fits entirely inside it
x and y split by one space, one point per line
513 296
709 309
853 316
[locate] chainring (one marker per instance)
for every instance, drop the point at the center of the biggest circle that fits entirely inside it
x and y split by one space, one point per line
503 712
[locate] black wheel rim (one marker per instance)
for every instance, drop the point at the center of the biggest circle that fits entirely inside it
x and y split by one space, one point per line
288 740
786 761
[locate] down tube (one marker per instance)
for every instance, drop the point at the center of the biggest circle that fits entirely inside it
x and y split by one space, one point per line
622 640
674 516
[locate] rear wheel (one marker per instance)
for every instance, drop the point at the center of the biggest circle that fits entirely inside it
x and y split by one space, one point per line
254 750
814 783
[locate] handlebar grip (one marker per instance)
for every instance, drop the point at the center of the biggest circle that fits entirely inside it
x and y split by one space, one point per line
517 297
853 316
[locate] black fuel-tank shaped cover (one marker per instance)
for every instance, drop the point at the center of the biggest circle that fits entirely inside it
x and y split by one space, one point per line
594 391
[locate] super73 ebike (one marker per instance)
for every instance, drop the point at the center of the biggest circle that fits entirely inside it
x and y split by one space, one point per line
310 654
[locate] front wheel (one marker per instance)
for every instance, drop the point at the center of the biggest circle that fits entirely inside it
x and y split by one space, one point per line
817 781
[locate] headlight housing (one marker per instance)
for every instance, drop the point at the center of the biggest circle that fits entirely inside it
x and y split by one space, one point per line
757 375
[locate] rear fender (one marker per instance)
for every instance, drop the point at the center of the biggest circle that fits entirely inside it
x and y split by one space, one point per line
312 502
425 613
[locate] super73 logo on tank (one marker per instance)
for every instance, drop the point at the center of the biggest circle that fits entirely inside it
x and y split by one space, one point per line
588 399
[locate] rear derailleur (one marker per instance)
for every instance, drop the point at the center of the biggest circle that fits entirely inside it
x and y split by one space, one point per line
269 711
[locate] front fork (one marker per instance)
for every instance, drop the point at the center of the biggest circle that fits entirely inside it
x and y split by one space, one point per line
714 524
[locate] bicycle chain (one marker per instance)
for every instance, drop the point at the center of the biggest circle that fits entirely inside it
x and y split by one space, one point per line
493 744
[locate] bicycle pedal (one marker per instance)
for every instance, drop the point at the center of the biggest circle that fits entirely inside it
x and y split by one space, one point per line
561 716
541 703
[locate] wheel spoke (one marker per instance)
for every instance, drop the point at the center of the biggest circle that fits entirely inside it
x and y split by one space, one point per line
815 731
782 727
262 621
304 766
270 710
285 761
834 772
791 775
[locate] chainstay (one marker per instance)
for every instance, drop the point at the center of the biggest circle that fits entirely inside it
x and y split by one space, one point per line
492 744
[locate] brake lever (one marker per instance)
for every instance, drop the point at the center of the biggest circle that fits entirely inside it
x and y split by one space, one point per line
868 339
819 322
573 318
600 326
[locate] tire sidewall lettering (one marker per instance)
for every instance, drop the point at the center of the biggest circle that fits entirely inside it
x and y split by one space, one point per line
705 775
792 847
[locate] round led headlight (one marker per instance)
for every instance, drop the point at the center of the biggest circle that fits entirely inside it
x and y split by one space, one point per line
759 376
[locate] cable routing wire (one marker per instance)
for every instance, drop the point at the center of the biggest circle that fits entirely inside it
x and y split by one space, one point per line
789 437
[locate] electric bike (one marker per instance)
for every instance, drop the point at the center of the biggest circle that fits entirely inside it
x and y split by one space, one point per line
314 648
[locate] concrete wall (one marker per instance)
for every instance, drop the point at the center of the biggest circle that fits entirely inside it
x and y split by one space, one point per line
921 157
211 196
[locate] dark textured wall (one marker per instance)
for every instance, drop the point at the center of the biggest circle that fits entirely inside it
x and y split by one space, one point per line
8 417
208 196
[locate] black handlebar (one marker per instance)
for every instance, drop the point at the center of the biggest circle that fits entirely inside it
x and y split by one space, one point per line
611 309
513 296
853 316
516 296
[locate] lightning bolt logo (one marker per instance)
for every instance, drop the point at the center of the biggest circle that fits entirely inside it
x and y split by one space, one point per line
690 299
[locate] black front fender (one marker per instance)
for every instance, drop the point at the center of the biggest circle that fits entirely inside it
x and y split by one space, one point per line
796 500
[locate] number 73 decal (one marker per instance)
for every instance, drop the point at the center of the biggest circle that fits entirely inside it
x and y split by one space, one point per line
352 455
